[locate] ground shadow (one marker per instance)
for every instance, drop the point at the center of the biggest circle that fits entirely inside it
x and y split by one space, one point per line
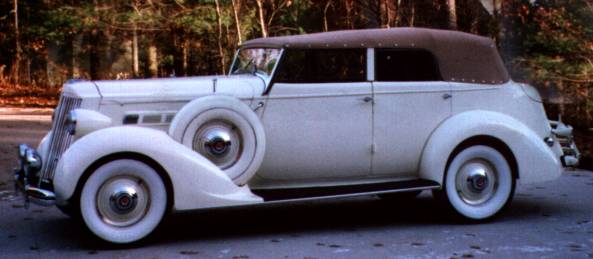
299 219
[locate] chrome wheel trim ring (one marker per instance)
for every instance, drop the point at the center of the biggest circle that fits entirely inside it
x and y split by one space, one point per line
476 181
123 201
219 141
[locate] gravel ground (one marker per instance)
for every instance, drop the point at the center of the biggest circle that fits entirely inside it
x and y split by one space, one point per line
553 219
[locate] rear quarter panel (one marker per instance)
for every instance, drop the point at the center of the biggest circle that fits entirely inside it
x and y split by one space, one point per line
501 111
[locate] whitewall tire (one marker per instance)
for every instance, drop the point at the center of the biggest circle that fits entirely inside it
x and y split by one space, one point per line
123 201
225 131
478 183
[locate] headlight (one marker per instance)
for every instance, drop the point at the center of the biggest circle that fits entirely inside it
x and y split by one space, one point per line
71 122
80 122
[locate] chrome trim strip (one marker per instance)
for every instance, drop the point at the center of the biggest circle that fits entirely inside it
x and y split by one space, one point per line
422 188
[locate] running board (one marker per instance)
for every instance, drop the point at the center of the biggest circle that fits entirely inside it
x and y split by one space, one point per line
309 193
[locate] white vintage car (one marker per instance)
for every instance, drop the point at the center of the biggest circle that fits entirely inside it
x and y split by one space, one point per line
312 116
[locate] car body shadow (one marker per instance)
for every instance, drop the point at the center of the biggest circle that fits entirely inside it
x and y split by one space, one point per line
302 218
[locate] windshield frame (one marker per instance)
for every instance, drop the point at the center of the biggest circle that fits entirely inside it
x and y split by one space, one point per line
266 78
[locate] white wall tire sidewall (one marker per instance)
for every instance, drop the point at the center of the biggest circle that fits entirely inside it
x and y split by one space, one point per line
142 228
193 115
502 194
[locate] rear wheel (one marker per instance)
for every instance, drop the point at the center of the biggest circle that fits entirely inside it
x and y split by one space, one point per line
123 201
478 183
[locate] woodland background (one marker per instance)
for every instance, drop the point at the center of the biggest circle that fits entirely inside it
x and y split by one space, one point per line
43 43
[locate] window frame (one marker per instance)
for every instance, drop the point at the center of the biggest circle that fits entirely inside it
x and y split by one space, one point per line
267 80
363 51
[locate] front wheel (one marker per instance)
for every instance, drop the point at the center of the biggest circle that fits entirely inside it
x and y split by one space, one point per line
478 183
123 201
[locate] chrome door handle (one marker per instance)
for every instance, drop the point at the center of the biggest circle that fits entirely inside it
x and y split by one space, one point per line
259 105
367 99
447 96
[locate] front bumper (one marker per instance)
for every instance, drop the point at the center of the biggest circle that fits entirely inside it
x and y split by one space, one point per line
27 180
563 133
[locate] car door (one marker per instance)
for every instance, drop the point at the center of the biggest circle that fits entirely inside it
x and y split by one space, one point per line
317 117
411 100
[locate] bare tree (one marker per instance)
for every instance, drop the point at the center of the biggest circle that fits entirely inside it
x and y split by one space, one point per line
185 57
262 23
349 5
17 43
388 13
412 14
135 63
153 65
327 5
452 14
236 4
219 23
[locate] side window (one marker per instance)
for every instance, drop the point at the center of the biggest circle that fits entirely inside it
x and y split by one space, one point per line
322 66
405 65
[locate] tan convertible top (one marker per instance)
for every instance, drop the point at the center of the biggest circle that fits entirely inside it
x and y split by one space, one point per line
462 57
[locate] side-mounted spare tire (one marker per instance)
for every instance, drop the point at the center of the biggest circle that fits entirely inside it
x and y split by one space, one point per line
224 130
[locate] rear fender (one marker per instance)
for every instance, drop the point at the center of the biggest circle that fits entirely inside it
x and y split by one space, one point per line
196 182
536 161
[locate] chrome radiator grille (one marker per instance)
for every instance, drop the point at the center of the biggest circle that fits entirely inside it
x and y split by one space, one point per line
60 139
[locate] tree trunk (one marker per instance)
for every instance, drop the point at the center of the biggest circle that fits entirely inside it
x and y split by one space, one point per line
412 15
219 23
185 57
452 14
496 14
76 49
236 4
17 43
387 14
398 15
349 4
262 23
153 63
94 60
135 62
327 5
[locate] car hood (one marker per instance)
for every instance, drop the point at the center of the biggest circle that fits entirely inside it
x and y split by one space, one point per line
165 89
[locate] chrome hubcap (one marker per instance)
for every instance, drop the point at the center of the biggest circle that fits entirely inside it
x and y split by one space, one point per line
122 201
476 181
217 142
220 142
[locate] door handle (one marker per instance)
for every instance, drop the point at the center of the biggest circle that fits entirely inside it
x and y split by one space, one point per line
367 99
259 105
447 96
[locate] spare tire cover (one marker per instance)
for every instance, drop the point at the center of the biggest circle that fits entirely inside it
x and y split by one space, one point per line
224 130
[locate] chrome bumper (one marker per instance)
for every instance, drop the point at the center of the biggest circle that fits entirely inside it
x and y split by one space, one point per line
26 178
563 133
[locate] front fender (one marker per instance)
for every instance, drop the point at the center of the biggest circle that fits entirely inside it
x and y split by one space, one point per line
197 183
535 160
